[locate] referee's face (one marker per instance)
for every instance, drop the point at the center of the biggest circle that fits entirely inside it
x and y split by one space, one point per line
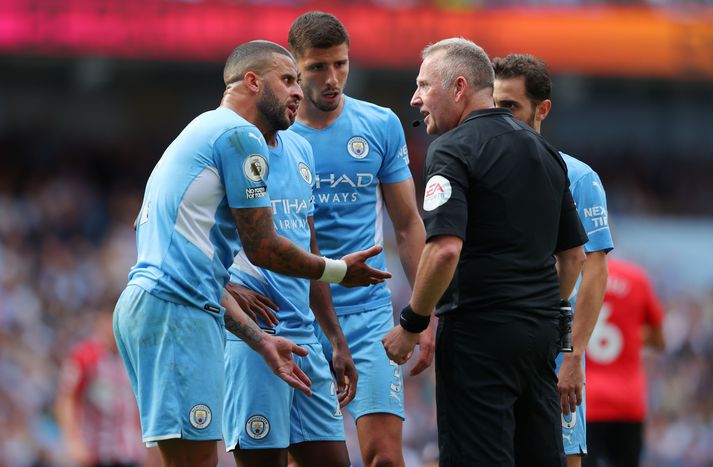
434 101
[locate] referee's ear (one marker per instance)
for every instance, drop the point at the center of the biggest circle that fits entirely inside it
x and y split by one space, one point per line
542 110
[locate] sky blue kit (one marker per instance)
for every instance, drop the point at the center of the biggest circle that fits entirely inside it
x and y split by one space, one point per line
363 148
261 411
589 195
168 322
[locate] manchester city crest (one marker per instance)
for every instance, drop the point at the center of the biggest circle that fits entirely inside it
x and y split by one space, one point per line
257 427
305 172
358 147
200 416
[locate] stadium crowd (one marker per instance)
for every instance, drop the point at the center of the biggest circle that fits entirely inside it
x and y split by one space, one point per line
66 245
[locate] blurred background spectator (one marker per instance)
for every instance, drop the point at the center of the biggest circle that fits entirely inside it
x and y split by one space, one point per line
95 408
87 106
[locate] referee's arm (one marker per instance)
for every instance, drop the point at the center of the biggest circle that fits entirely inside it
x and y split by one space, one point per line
435 271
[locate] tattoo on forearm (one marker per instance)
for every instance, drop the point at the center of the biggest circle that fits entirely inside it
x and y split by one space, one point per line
250 333
277 253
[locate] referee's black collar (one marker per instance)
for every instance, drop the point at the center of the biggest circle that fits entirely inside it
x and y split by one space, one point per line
485 112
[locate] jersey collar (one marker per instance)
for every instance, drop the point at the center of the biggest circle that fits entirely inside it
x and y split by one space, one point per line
486 112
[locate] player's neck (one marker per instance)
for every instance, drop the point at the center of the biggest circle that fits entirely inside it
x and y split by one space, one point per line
244 105
308 114
271 138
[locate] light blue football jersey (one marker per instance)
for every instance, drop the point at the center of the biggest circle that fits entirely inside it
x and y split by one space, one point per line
363 147
186 236
591 201
292 181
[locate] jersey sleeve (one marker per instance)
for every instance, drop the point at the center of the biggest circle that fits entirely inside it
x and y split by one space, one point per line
590 198
394 168
654 311
571 232
445 202
242 158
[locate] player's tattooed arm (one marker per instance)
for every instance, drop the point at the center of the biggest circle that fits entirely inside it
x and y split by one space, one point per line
238 323
247 332
276 351
265 248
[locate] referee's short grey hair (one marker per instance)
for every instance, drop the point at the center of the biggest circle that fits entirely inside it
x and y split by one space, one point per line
462 58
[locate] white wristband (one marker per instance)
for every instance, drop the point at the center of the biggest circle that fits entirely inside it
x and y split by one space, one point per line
334 270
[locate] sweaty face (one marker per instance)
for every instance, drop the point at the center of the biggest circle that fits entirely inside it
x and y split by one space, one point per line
324 74
435 103
281 94
510 94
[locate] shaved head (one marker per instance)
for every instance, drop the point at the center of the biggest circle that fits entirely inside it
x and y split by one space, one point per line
255 56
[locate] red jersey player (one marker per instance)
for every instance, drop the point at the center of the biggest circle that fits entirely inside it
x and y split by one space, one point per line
631 317
95 407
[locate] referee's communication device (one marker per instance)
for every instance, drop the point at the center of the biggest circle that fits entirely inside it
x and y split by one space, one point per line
566 317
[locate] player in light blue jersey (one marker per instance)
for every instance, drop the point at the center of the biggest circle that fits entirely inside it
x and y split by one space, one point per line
259 425
169 321
523 85
362 172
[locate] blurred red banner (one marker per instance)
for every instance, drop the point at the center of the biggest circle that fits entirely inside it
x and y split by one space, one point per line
605 41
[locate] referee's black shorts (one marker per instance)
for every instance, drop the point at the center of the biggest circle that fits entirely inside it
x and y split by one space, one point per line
496 390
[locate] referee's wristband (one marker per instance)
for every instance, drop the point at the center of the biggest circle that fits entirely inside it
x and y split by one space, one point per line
334 270
412 321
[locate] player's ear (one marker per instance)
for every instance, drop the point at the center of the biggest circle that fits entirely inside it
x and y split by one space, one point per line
252 81
543 109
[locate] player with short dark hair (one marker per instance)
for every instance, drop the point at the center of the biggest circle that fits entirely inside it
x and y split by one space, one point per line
169 320
361 162
523 85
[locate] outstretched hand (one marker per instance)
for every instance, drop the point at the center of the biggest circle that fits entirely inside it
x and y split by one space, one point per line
361 274
277 353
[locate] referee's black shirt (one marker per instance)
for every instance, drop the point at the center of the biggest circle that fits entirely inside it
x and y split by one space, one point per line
499 186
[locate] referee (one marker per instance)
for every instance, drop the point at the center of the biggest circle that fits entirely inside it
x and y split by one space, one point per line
497 210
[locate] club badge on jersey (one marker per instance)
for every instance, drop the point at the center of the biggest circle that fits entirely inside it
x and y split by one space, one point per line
358 147
305 172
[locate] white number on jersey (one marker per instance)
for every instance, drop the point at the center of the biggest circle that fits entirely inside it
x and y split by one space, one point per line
606 342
